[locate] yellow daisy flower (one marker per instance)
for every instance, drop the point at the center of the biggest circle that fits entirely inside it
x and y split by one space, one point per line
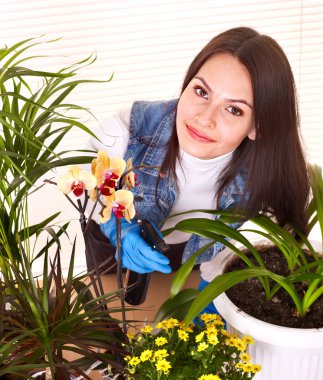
146 355
183 335
163 365
213 339
256 368
160 341
202 346
247 367
248 340
147 329
160 354
245 357
134 361
199 336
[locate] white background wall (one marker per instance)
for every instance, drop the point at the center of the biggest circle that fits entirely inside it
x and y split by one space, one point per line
148 45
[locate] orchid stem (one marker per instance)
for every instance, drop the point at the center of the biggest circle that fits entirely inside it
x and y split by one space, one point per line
119 274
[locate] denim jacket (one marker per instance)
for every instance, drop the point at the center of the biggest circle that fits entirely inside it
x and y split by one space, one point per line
151 125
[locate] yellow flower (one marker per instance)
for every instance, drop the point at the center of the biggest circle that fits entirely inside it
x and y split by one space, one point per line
213 339
76 180
205 317
160 354
244 357
163 365
183 335
216 322
160 341
226 333
211 330
146 355
122 206
147 329
236 342
167 324
247 367
199 336
209 377
230 341
256 368
202 346
248 340
172 322
134 361
240 345
107 172
185 328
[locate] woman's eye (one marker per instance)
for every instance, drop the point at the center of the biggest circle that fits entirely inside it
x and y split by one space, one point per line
235 111
200 92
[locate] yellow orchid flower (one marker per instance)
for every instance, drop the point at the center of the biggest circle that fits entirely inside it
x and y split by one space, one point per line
76 180
107 172
122 206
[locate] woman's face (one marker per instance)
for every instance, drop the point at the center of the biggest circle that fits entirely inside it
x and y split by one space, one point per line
214 113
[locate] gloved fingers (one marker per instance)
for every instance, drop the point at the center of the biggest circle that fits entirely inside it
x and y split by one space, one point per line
152 258
163 267
139 268
146 254
140 264
128 263
141 254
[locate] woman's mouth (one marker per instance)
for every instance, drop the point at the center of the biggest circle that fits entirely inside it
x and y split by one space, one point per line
197 135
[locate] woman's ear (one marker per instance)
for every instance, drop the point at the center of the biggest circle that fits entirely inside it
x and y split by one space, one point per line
252 134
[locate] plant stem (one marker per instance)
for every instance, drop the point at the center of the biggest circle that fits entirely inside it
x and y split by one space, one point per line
119 274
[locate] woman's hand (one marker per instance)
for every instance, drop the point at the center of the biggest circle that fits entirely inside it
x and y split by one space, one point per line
137 254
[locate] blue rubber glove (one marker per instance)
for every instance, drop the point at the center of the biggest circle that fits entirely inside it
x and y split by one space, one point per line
137 254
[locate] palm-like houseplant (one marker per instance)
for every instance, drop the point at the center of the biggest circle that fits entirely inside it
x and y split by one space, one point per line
40 319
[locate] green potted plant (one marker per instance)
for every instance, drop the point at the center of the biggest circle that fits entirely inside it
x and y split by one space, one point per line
41 318
302 284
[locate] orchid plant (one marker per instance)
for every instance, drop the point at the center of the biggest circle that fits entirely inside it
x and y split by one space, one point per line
108 185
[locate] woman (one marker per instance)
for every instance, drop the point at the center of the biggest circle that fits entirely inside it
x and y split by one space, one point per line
230 141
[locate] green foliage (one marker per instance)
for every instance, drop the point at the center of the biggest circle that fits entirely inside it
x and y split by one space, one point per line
45 318
40 319
35 116
303 267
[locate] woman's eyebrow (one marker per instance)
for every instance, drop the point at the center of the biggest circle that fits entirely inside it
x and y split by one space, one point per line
205 84
239 101
229 100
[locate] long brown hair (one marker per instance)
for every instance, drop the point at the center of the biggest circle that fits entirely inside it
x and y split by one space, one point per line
277 181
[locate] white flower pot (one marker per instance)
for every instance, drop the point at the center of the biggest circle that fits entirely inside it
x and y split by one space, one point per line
283 352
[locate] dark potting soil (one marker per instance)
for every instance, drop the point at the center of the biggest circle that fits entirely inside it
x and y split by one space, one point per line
249 295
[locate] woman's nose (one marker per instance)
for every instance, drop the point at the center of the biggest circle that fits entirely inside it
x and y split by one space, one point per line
206 118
